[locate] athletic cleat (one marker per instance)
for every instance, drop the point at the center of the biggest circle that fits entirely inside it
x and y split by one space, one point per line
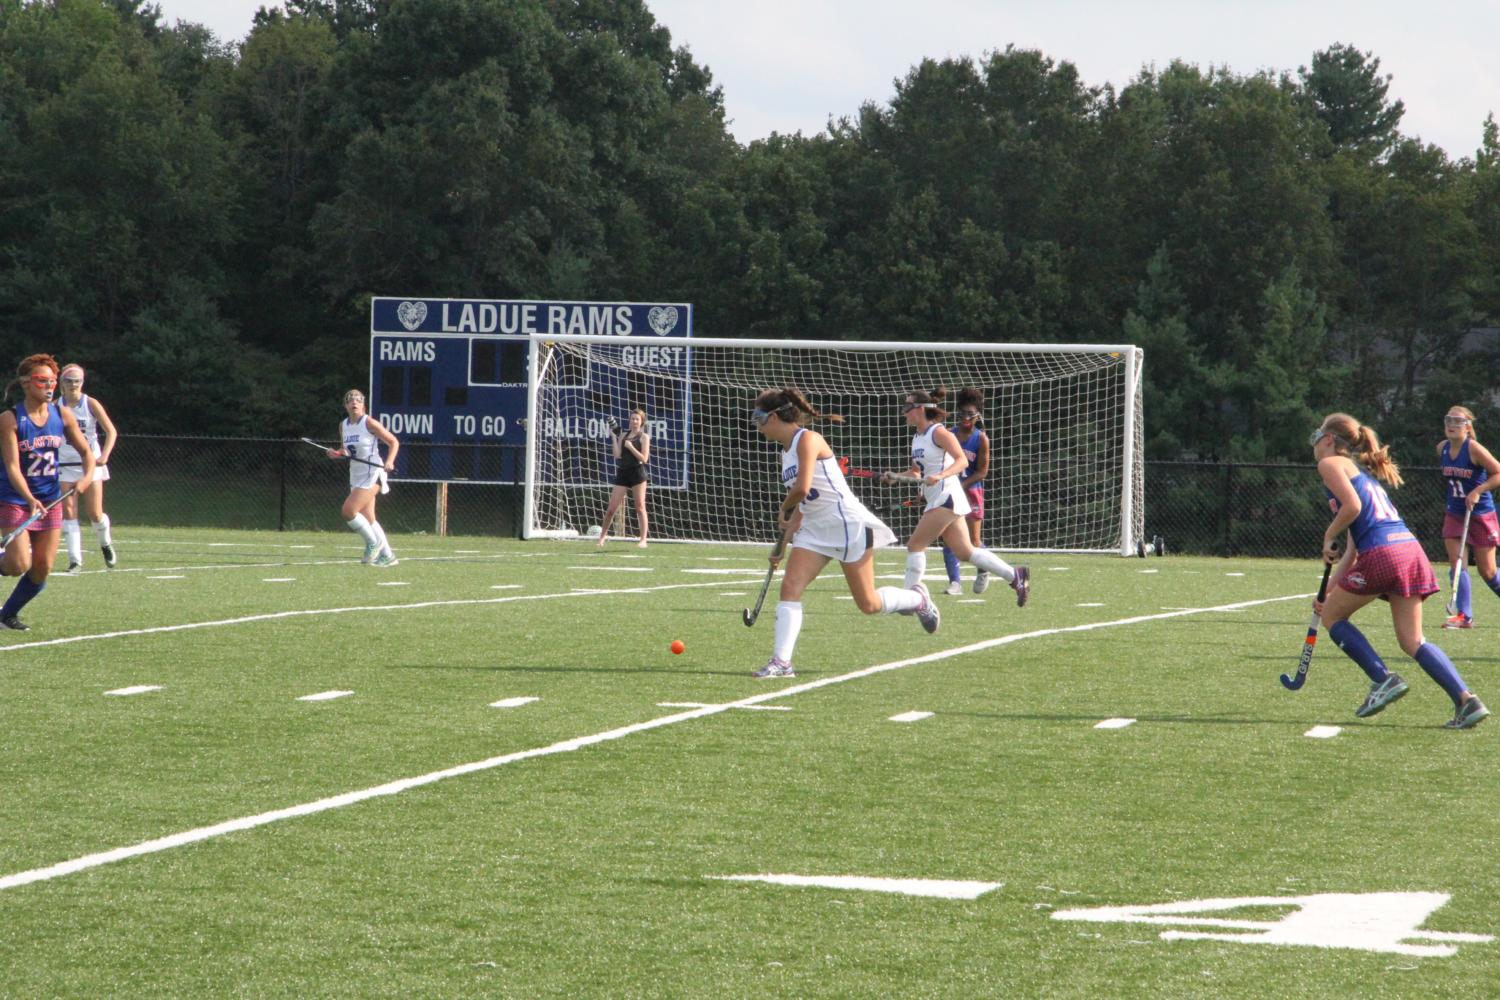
372 549
386 558
74 568
109 554
775 667
927 612
1470 714
1021 585
1381 695
981 581
954 589
1459 621
12 622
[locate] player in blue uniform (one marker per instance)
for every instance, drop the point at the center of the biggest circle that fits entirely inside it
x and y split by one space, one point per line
31 434
1470 473
1382 559
975 444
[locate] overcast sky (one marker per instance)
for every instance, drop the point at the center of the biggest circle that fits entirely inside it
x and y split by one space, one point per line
788 65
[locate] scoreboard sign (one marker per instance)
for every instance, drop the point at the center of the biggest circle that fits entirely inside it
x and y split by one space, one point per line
449 376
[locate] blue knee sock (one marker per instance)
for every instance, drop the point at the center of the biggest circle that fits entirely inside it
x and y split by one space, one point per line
1442 670
1465 598
25 590
1494 584
951 562
1354 644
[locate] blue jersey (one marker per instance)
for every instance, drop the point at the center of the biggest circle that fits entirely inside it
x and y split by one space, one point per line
1463 475
970 446
38 445
1378 522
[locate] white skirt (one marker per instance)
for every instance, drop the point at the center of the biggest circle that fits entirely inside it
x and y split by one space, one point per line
845 538
938 496
73 473
364 477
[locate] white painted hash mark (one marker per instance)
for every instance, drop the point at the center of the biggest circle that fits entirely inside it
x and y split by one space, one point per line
279 579
935 888
1089 605
910 717
513 702
1323 732
704 704
156 845
325 696
136 689
166 578
1365 921
1114 723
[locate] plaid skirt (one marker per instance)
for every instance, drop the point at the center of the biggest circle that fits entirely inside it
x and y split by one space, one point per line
1399 570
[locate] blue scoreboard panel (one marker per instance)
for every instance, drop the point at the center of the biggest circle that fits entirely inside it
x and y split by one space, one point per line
448 377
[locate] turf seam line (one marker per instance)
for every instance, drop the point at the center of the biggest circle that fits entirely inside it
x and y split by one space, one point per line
400 785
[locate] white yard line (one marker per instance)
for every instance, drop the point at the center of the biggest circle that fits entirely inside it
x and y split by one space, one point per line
910 717
134 689
1114 723
325 696
313 612
398 786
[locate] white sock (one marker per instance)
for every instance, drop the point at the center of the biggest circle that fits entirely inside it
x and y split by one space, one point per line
788 624
101 528
75 540
916 565
894 599
991 563
359 524
385 546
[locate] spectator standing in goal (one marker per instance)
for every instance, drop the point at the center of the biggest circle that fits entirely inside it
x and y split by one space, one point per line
31 434
91 417
939 462
975 444
824 521
362 436
1383 559
1470 472
632 452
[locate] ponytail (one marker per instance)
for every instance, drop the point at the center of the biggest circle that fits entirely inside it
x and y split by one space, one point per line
1354 440
789 405
930 401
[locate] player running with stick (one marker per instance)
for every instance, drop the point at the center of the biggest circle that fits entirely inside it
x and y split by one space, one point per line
939 461
1383 559
1470 472
31 434
826 521
362 434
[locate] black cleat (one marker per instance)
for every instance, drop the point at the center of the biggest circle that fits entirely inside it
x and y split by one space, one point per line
109 554
12 622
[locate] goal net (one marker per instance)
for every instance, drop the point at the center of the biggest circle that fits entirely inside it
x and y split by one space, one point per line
1064 423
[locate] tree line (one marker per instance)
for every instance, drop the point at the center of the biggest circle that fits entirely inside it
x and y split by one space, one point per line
202 222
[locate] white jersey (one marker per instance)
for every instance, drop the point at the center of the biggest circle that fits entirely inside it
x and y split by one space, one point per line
931 458
69 461
834 521
360 443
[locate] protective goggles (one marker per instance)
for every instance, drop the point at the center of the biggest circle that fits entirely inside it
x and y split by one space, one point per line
759 417
908 407
968 414
1316 436
1456 421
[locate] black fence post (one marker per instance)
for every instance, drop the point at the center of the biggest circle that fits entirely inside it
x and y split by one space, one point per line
1229 508
281 511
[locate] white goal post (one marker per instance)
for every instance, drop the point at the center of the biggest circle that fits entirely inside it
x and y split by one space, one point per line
1064 422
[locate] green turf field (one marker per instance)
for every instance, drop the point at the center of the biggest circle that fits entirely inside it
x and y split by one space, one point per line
593 866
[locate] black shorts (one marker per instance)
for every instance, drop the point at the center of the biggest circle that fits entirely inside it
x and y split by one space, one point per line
630 477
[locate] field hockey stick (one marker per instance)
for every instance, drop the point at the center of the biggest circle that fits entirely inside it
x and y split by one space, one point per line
1295 683
325 449
892 478
1458 567
753 613
33 519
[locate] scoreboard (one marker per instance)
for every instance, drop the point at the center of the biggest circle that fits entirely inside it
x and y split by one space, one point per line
449 378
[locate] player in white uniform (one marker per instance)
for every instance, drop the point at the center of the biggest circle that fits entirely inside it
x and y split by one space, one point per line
939 462
824 520
361 434
91 416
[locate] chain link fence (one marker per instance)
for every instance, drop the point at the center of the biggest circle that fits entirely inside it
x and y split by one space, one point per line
1222 509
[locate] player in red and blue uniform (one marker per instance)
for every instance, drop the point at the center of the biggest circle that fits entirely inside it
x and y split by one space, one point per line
1470 472
1382 559
31 434
975 444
